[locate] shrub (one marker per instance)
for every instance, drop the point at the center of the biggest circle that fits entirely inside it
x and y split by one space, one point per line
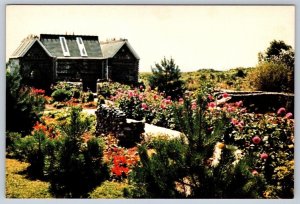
78 168
166 78
11 138
22 104
109 189
270 76
61 95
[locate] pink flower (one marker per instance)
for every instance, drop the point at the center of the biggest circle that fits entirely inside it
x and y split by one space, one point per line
169 97
130 94
211 104
210 97
225 95
254 173
141 97
256 140
281 111
264 156
239 103
289 115
168 101
144 106
234 121
194 105
163 106
181 100
141 87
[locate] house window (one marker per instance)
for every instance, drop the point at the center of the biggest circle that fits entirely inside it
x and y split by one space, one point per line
81 47
64 46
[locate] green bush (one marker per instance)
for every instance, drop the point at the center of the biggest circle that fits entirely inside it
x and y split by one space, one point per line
166 78
109 189
61 95
78 166
22 105
11 139
270 76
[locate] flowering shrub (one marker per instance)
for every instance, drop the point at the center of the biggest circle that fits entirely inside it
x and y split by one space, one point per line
146 104
253 154
121 160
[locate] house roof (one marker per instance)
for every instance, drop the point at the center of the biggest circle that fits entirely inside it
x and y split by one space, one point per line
110 48
53 45
26 44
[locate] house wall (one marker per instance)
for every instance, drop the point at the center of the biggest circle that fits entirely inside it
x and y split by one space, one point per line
36 67
86 70
123 67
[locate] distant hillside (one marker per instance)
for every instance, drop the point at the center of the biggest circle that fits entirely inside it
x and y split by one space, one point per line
234 79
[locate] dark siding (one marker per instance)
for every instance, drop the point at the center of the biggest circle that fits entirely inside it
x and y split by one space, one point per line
124 67
37 67
87 71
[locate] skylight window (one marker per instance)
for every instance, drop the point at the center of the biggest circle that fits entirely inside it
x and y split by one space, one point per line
81 47
64 46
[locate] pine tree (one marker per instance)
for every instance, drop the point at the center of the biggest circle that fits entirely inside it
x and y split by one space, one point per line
166 78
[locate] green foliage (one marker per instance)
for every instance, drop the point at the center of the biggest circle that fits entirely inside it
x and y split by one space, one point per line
78 168
11 138
197 166
61 95
109 189
22 106
276 68
158 173
166 78
270 76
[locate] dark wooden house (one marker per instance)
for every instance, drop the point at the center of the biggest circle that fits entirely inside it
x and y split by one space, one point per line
50 58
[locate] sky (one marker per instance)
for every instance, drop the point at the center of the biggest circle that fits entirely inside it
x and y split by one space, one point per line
218 37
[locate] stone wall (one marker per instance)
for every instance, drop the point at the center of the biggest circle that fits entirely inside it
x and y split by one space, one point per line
112 120
263 102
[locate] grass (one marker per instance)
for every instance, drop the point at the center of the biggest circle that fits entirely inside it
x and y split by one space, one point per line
109 189
18 186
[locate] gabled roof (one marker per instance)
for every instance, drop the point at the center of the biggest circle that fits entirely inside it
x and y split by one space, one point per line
110 48
26 44
53 45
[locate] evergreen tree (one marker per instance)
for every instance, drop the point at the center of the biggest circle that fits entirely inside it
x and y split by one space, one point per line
166 78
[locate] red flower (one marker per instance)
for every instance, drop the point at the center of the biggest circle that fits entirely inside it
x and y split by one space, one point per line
163 106
281 111
210 97
256 140
289 115
264 156
225 95
155 97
